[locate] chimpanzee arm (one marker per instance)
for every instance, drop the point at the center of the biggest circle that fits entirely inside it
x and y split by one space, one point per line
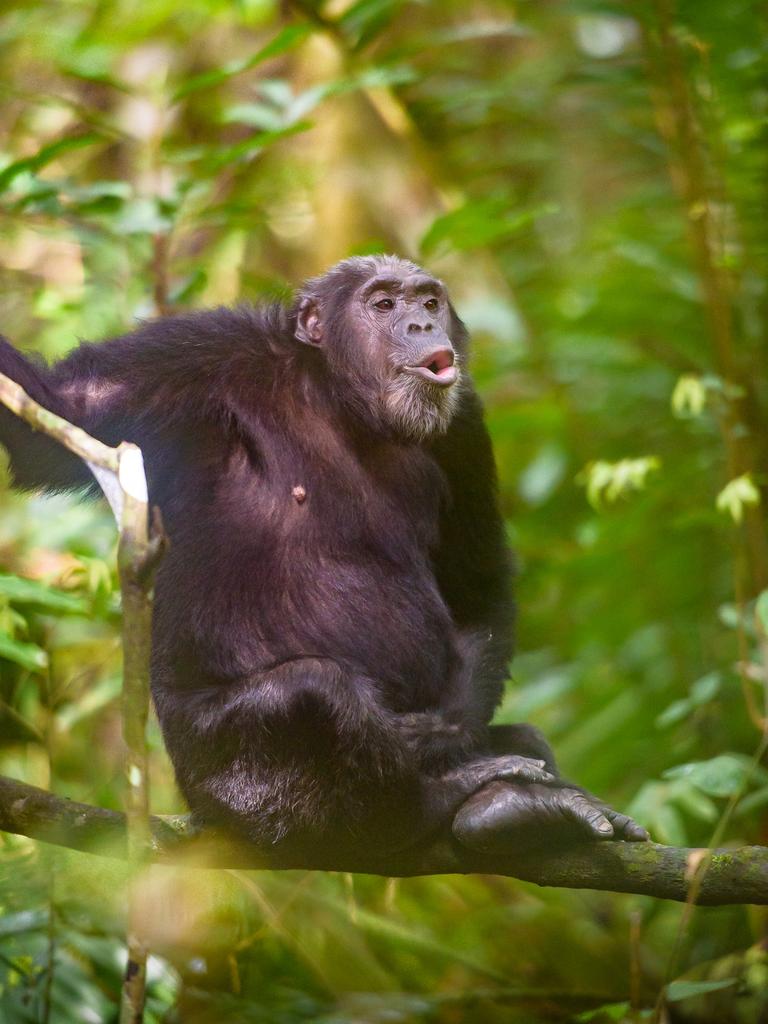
36 459
303 758
473 566
473 563
96 387
474 571
160 379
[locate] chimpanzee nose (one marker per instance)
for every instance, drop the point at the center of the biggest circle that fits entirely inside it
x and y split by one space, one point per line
414 326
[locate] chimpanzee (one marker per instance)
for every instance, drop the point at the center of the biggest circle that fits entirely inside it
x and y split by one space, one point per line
333 619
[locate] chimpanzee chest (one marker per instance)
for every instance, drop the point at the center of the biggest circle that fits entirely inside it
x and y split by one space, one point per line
357 581
308 555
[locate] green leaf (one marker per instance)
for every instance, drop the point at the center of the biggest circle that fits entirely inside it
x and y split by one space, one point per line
188 287
367 78
737 495
23 921
253 146
19 590
256 115
751 803
291 37
609 481
734 617
609 1011
141 216
100 197
761 611
678 990
28 656
706 688
702 691
667 826
542 475
675 712
694 801
44 156
366 19
723 775
91 702
689 396
278 109
480 223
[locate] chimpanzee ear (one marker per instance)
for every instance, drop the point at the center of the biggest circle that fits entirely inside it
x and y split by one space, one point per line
309 328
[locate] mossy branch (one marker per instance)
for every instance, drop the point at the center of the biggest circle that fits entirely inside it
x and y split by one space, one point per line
713 878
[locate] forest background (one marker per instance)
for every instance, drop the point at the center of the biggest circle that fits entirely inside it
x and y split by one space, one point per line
590 179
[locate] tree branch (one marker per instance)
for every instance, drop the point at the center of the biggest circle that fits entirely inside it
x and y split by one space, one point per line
715 878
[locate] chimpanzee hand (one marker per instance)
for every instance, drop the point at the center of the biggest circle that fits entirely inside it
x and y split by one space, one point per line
509 767
501 814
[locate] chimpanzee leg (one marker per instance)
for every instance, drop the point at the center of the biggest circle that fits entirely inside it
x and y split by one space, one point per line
304 758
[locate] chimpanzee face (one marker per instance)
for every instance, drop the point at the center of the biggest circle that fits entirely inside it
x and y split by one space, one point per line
386 326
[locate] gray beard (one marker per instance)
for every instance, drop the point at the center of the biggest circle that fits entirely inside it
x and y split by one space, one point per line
417 409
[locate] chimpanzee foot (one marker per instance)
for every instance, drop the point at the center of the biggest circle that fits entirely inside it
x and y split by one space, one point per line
501 815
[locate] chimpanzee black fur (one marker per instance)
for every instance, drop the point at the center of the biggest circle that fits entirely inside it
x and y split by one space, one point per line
333 620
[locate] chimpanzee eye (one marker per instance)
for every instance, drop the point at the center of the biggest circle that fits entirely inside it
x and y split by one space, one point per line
431 305
384 304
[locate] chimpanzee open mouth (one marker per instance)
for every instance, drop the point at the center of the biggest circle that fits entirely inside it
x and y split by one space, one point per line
437 367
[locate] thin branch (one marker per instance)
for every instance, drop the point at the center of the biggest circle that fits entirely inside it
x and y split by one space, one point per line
135 554
120 473
15 398
731 876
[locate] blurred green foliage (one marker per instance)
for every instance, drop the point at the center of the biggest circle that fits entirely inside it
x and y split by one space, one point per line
588 176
